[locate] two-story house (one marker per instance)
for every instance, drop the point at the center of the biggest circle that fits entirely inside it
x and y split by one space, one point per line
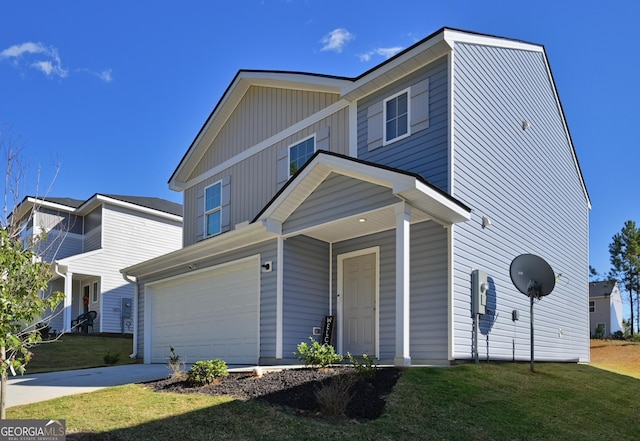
89 241
372 200
605 308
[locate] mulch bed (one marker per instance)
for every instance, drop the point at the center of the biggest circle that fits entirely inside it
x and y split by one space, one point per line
293 390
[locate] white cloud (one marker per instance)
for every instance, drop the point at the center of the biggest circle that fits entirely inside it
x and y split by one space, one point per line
47 60
386 52
105 76
19 49
336 40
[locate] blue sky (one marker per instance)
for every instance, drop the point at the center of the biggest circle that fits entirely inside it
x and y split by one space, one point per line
114 92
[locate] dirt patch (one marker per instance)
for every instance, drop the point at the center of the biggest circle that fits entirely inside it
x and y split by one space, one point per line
615 352
293 390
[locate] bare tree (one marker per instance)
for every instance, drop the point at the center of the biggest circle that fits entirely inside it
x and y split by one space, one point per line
24 278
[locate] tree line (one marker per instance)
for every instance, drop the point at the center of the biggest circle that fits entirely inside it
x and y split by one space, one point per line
624 252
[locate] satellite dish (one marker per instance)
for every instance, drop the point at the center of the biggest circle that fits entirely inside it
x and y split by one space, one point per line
532 275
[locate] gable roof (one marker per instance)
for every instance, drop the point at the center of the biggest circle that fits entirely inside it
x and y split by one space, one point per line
432 47
602 289
408 186
429 201
80 207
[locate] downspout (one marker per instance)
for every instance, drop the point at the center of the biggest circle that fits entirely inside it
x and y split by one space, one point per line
134 282
66 307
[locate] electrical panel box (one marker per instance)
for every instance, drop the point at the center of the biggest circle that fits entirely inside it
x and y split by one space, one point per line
127 308
479 288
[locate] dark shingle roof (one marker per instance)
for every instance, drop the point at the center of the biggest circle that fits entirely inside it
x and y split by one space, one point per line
150 202
601 289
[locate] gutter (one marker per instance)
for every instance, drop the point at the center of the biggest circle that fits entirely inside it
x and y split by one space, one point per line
134 282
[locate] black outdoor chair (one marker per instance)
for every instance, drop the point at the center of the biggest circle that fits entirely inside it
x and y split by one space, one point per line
84 321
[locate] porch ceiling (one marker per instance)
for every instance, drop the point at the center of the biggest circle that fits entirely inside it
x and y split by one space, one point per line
351 227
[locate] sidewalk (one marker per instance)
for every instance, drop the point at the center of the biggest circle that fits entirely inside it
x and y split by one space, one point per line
33 388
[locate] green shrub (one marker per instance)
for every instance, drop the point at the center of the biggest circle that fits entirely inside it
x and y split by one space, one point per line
636 338
206 372
366 368
618 335
599 334
315 354
110 358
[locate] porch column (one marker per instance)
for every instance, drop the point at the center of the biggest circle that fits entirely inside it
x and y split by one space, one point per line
68 295
403 248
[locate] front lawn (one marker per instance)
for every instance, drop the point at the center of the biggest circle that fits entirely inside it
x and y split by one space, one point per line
79 351
467 402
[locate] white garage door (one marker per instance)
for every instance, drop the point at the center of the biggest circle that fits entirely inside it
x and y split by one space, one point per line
207 314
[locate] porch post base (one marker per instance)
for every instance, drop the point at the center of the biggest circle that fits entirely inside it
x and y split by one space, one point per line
402 361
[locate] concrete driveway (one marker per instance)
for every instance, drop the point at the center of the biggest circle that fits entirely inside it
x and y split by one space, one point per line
28 389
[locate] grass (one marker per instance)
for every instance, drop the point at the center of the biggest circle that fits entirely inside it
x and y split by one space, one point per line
78 351
468 402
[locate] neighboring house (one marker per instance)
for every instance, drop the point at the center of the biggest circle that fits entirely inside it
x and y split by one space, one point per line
87 244
372 200
605 308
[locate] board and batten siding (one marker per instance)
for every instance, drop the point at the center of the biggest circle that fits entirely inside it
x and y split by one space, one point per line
263 112
528 184
253 181
428 290
268 252
426 151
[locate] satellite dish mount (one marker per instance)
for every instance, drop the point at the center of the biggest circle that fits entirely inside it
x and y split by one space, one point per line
533 277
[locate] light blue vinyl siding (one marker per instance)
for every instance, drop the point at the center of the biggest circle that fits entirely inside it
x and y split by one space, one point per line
305 290
267 251
527 183
425 152
428 319
323 205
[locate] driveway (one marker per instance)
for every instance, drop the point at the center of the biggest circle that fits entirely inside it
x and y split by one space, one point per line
28 389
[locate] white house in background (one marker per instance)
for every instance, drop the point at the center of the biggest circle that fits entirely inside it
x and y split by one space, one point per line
605 308
372 200
89 241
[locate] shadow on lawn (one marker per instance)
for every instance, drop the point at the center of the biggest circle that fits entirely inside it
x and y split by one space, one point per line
269 412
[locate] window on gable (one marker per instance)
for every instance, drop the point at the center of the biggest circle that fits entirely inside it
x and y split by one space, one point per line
396 117
300 153
592 306
213 209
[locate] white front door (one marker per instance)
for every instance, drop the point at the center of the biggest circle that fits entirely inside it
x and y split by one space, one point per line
359 285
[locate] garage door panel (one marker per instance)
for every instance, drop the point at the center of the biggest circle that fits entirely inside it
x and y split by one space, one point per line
212 314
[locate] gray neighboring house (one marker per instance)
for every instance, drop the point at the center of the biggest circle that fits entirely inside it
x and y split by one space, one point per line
372 200
89 241
605 308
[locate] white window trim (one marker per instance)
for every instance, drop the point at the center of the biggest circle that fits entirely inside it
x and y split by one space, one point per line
384 117
95 290
208 212
315 146
594 306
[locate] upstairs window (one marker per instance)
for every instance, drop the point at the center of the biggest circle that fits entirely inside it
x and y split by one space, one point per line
396 117
213 209
592 306
300 153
